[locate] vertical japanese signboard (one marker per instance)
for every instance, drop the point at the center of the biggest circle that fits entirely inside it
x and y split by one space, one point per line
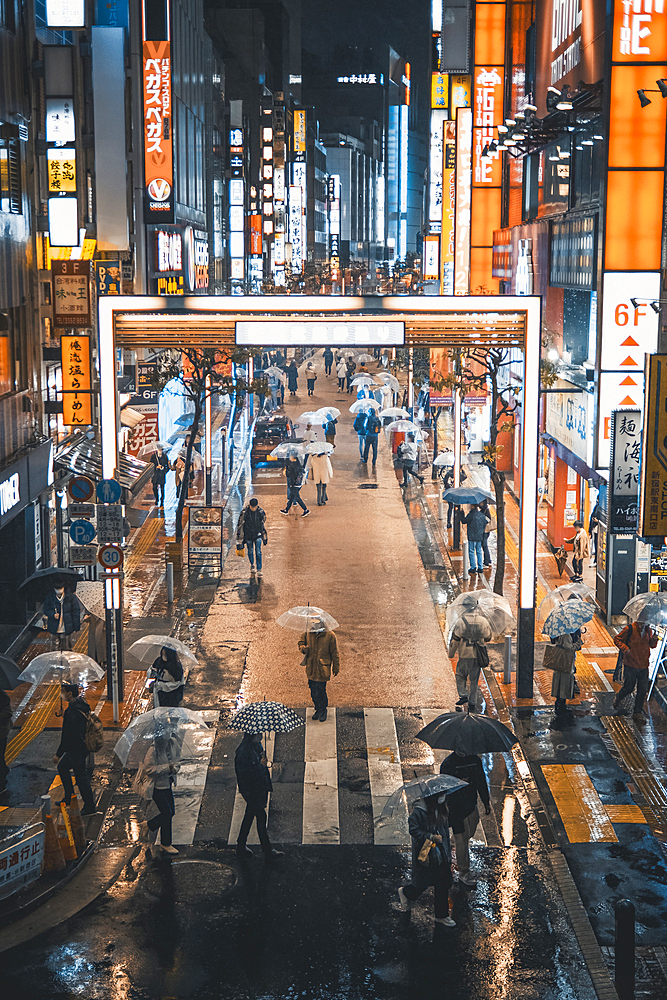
300 131
75 361
61 169
463 189
158 149
624 472
71 293
108 277
653 495
448 209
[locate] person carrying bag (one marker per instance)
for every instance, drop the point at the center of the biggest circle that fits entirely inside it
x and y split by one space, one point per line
561 657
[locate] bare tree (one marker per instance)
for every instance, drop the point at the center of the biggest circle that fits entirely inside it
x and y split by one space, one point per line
202 373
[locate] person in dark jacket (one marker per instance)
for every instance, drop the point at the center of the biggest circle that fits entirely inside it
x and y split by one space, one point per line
448 484
359 426
328 360
429 821
254 782
475 521
330 431
351 367
62 611
373 428
169 676
462 806
5 726
292 377
72 751
160 464
250 531
294 476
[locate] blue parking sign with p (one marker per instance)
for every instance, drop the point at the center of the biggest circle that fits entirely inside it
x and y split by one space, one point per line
81 532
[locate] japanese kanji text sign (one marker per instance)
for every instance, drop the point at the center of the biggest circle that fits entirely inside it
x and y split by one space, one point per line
158 150
75 359
653 499
61 167
624 472
71 293
22 862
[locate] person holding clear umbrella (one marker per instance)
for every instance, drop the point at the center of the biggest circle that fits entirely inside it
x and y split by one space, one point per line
320 658
154 780
72 750
431 856
469 638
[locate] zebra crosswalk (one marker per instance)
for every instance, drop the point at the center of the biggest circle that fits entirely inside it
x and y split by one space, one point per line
331 780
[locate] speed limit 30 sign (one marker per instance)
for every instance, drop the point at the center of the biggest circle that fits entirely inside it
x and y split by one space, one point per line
111 556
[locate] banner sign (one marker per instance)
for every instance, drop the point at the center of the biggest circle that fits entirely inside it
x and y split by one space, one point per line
624 471
300 131
108 277
21 862
653 496
158 151
75 361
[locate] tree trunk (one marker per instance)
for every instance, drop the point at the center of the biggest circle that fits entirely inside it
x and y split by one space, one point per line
498 479
185 486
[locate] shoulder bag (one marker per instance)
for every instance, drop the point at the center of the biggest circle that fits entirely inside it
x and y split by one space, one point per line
558 659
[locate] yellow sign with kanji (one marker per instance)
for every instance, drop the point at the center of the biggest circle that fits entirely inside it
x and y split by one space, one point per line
76 380
71 293
61 167
439 90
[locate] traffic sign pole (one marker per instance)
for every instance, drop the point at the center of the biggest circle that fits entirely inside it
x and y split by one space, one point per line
113 600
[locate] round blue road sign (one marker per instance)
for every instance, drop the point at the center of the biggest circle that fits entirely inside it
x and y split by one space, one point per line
81 532
80 488
108 491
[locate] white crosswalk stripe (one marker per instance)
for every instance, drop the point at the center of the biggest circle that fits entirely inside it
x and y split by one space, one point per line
239 803
384 768
189 790
321 824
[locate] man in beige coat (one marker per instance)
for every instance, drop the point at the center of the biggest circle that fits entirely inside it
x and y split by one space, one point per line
581 549
320 658
319 467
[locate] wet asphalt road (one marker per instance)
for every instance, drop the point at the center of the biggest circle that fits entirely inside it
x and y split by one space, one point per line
316 924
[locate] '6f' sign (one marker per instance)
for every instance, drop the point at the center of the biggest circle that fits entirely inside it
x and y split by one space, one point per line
624 313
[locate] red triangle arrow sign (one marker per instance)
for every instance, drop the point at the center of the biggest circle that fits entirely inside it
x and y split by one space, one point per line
628 381
629 342
627 402
629 362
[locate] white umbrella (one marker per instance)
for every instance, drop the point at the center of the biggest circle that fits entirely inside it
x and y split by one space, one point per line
363 380
149 647
288 448
186 730
445 458
312 417
319 448
403 427
91 595
148 449
364 357
389 380
328 411
62 667
395 412
307 619
275 372
363 405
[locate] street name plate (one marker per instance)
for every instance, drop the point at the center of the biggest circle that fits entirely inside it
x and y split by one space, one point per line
82 555
110 522
278 333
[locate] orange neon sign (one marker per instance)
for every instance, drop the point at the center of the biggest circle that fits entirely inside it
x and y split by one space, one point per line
158 130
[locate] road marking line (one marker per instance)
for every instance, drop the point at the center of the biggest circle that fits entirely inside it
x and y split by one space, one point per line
239 804
321 822
384 770
189 788
605 683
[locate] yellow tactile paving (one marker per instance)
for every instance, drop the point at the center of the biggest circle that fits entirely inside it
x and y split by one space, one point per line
584 817
625 814
35 723
147 536
641 770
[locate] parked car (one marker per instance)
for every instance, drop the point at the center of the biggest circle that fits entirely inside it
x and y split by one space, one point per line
269 432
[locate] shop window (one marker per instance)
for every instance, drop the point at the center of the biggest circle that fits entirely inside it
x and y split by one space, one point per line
586 170
576 322
531 187
11 200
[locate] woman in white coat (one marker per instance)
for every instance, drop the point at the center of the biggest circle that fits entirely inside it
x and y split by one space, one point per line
319 467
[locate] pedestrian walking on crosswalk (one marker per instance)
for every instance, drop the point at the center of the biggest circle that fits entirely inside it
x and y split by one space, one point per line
431 856
254 783
320 658
462 806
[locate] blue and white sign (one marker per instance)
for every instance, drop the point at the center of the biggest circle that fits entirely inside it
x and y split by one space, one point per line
108 491
81 532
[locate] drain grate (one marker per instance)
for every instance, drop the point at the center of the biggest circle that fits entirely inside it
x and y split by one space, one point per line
368 486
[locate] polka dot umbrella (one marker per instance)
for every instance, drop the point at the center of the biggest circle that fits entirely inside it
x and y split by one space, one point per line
265 717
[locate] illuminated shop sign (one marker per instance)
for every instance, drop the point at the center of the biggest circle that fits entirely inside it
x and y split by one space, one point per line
196 259
169 251
361 78
66 14
158 152
303 331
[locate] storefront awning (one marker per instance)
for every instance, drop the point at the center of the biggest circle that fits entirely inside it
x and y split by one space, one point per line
85 459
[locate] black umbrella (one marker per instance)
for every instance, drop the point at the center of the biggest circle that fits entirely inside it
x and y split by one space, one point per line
467 734
9 673
40 583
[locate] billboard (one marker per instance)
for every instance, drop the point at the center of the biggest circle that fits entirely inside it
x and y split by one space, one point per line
570 45
448 209
653 495
158 127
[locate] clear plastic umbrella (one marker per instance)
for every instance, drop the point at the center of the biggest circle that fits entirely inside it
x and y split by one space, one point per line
395 412
148 449
330 412
185 420
563 593
148 648
389 380
362 405
275 373
91 595
288 449
394 816
444 458
364 357
567 618
650 609
188 730
312 417
62 668
403 427
319 448
362 380
492 608
196 460
307 619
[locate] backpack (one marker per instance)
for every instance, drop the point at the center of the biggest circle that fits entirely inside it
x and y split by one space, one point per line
94 737
360 423
373 426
